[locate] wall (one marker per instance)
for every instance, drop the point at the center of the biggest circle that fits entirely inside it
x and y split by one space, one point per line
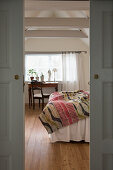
58 45
54 44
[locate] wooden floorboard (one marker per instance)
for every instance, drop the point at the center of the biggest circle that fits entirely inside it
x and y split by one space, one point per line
40 154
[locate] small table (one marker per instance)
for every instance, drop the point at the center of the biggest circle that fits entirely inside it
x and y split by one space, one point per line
43 84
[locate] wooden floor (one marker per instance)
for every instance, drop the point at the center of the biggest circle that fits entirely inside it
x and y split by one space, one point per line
40 154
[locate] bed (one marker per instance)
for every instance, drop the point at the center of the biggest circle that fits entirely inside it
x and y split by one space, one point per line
66 116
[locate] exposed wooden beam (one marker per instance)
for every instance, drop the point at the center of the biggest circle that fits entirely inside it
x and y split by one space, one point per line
57 22
55 33
57 5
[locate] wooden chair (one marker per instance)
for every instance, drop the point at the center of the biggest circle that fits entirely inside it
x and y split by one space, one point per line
36 87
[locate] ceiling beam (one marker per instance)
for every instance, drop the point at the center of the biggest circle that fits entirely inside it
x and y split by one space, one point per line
57 22
55 34
57 5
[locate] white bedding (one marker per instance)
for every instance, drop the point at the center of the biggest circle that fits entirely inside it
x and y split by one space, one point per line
75 132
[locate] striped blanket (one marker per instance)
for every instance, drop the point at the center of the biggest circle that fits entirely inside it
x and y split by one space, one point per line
64 108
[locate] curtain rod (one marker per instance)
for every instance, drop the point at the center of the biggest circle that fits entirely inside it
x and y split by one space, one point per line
52 52
74 51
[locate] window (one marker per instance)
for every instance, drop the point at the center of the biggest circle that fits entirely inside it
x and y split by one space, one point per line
41 63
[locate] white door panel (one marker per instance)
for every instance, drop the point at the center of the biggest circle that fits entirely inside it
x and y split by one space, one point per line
11 90
102 88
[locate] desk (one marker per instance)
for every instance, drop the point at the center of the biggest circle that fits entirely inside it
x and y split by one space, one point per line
45 85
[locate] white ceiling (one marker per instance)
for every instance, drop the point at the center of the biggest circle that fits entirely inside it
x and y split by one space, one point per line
56 13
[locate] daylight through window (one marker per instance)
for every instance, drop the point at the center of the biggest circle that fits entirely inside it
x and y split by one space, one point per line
41 63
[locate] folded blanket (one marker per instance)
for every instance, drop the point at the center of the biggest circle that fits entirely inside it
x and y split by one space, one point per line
64 108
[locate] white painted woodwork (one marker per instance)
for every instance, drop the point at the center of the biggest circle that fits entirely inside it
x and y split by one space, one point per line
57 22
102 88
11 90
55 33
57 5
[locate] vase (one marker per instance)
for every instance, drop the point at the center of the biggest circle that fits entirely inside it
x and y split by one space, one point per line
37 78
42 77
49 75
54 76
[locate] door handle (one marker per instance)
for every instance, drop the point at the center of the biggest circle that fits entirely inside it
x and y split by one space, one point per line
16 77
96 76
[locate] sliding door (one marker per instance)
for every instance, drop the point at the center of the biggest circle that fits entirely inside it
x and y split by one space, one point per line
11 85
101 85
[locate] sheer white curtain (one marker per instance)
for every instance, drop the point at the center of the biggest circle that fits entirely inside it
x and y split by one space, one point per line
73 72
81 71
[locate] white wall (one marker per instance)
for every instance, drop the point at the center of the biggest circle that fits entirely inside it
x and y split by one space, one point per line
54 44
59 45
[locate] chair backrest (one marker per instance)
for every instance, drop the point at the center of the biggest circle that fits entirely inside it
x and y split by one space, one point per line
36 86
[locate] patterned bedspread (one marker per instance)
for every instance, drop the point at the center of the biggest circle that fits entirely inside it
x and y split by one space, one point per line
64 108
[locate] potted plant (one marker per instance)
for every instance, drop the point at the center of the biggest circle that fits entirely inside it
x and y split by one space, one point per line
31 73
